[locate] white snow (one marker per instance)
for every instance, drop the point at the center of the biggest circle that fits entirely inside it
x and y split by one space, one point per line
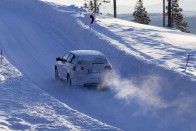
148 90
168 48
24 106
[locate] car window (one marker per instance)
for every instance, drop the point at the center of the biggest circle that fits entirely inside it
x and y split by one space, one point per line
71 58
92 60
65 57
99 61
84 62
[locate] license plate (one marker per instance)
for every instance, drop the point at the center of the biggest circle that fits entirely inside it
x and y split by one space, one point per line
94 71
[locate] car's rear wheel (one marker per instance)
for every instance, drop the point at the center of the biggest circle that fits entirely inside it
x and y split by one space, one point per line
56 74
69 83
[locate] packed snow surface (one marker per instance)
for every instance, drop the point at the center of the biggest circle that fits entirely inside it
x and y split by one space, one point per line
24 106
149 89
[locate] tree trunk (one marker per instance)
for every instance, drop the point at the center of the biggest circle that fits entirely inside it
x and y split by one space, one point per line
169 14
115 15
163 13
172 14
95 6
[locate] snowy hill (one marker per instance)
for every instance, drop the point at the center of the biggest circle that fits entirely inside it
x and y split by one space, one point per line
148 89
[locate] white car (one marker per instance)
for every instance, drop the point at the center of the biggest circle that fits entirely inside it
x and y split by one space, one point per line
82 67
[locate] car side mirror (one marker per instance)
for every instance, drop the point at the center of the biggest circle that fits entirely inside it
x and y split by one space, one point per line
63 60
58 59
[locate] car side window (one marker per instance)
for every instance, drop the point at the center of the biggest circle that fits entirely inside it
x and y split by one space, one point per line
65 57
71 58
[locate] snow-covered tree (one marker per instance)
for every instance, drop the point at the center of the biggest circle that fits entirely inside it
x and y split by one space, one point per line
178 19
140 13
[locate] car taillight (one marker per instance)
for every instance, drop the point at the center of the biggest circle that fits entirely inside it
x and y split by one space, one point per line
74 68
81 68
108 68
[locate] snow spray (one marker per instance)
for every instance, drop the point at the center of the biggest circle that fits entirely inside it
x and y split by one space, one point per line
146 92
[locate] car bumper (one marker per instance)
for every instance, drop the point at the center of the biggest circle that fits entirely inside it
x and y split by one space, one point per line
87 80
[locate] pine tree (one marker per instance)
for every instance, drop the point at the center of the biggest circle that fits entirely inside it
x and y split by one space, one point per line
178 20
85 4
140 13
96 6
93 5
90 6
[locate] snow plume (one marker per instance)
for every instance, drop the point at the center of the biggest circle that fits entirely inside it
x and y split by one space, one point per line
145 92
150 94
185 104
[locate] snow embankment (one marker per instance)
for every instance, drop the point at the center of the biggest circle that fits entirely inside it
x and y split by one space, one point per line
144 95
24 106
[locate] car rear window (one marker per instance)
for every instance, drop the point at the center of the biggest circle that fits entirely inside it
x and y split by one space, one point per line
93 61
84 62
99 61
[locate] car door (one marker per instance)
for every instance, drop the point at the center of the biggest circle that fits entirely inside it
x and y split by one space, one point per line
63 66
70 62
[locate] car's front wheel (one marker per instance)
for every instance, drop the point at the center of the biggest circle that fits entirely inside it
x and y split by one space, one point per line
56 74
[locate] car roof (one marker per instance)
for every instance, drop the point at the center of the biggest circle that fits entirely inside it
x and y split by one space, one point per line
86 52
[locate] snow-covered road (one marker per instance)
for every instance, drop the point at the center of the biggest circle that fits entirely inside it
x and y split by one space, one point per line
32 45
24 106
143 95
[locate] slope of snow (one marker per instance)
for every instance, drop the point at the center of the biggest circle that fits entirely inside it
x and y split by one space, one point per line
145 93
168 48
24 106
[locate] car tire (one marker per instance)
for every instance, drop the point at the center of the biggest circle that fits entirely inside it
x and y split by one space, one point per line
69 83
56 74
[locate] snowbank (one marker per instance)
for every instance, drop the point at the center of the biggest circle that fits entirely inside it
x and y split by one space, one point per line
24 106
